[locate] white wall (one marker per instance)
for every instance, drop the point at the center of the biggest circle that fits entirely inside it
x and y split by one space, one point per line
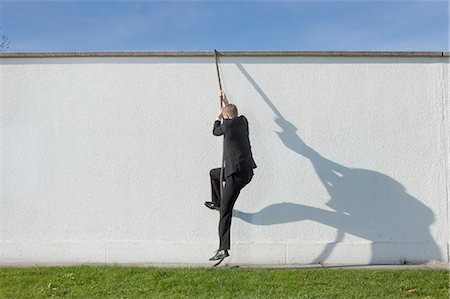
107 159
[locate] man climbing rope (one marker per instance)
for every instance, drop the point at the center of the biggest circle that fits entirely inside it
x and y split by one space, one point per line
238 171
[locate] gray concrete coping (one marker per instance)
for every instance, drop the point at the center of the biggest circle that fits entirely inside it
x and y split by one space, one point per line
224 54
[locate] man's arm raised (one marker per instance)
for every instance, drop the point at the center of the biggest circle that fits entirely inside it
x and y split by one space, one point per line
219 128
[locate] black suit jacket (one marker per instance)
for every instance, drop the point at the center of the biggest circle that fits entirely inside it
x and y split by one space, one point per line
238 153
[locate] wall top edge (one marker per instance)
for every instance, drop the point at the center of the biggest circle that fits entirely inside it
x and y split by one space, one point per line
222 53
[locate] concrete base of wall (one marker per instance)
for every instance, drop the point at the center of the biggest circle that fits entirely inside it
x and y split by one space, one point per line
123 252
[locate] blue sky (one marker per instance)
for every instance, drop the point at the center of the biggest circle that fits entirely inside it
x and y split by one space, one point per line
226 25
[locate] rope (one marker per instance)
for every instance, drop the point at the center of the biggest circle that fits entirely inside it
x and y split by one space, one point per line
216 57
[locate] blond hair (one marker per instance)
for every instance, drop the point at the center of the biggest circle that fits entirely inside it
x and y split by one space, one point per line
230 109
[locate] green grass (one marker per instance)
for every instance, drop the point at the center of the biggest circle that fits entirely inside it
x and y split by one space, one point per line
149 282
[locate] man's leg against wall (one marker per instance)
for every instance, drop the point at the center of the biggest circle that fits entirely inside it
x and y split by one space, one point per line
233 187
215 185
230 194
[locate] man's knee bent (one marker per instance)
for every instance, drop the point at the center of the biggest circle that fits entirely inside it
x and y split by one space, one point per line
215 173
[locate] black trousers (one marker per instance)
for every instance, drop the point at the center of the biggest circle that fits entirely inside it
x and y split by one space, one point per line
233 186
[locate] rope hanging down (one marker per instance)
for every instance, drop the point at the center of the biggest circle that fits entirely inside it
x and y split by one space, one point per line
216 57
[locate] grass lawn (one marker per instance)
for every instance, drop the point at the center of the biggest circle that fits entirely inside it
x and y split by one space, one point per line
149 282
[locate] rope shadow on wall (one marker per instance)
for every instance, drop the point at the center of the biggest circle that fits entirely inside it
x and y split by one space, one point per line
366 203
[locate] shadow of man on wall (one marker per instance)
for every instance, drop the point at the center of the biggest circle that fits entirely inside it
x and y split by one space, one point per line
365 203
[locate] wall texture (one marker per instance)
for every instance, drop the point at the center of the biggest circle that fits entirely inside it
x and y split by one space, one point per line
106 159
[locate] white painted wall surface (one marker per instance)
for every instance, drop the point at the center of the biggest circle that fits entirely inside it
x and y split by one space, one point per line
107 160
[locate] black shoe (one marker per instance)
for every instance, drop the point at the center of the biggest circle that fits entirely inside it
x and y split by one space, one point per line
220 255
211 205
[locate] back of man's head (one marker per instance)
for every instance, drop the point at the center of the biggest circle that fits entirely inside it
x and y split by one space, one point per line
230 110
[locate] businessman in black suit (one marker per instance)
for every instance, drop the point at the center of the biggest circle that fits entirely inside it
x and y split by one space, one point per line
238 171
